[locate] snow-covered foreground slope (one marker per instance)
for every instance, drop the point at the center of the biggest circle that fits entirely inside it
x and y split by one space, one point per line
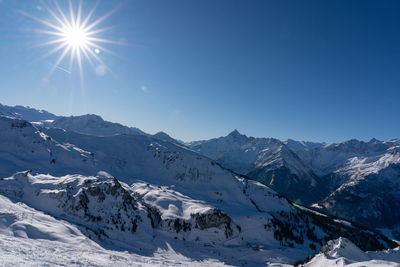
342 252
139 217
145 219
29 237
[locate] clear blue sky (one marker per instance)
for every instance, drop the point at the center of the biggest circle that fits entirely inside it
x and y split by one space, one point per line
307 70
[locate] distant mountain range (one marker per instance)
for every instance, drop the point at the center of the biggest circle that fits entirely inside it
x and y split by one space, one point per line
268 160
26 113
356 180
87 124
126 189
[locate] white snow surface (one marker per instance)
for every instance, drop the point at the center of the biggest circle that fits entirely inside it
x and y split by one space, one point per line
342 252
22 219
29 237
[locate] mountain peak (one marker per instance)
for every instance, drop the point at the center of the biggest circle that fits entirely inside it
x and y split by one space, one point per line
374 140
162 135
235 133
93 117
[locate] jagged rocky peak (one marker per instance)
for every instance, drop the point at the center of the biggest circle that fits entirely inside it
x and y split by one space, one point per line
374 141
235 133
236 137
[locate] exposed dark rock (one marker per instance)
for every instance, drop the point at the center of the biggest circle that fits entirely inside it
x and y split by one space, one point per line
216 219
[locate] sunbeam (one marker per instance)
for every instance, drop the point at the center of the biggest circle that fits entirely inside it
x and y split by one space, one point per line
74 34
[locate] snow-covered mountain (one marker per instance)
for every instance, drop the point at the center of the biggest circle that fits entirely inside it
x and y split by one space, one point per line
356 180
88 124
328 158
165 137
267 160
154 192
93 125
26 113
363 180
369 193
24 146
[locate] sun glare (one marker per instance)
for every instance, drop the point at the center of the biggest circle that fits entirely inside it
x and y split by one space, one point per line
74 35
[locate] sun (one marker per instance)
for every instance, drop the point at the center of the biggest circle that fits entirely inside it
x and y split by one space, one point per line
71 33
75 37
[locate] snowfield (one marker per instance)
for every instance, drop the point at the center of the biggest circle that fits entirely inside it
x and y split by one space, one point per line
29 237
341 252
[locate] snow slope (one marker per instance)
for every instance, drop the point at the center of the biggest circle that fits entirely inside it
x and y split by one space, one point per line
23 146
29 237
342 252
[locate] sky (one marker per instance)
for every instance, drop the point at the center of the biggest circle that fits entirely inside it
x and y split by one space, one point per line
306 70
